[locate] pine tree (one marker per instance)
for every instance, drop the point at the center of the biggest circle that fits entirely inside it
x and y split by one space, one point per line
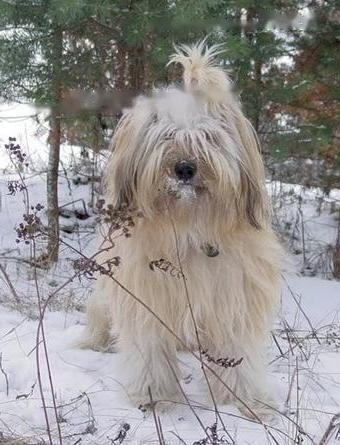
252 51
315 104
43 53
30 48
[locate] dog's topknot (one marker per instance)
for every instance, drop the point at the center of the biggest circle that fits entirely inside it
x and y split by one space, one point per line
202 75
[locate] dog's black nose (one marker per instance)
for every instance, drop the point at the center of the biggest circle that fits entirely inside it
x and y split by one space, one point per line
185 170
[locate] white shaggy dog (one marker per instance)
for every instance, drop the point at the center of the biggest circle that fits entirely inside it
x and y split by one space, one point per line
189 163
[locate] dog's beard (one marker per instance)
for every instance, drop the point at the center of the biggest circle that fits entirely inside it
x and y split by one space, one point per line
183 194
190 208
180 201
181 190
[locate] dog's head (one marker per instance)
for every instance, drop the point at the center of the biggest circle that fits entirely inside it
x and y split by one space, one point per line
191 152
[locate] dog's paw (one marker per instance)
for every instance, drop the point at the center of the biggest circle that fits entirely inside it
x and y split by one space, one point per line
98 344
159 402
159 406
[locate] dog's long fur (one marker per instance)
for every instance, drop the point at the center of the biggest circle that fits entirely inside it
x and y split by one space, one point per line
223 210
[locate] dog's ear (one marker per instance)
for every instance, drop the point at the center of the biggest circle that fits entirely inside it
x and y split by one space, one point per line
254 203
128 150
253 200
119 180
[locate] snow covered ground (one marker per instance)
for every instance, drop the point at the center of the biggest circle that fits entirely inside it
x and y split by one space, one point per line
304 358
92 405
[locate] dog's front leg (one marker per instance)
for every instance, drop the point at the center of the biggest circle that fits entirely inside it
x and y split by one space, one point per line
241 378
97 334
150 361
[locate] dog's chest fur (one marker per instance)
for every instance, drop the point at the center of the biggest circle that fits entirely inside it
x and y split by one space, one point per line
166 280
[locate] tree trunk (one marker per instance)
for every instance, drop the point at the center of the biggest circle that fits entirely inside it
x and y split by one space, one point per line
54 152
251 29
137 68
120 67
258 81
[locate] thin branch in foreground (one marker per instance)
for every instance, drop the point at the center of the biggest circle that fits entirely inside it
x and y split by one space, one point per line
10 284
5 375
302 311
199 345
334 423
187 400
156 419
290 388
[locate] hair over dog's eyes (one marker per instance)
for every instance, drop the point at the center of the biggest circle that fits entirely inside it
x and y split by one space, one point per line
208 136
